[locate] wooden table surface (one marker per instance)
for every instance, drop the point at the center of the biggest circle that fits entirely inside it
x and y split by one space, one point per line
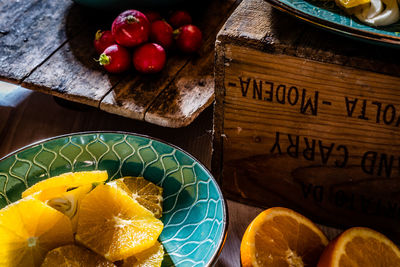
27 116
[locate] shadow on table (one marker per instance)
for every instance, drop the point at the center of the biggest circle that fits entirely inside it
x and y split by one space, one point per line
81 26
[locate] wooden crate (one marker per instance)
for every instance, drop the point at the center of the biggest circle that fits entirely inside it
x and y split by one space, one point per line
307 119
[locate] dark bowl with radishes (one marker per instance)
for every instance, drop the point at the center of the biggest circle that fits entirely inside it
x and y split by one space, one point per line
102 4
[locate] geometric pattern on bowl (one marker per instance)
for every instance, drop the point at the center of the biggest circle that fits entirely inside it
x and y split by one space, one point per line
194 210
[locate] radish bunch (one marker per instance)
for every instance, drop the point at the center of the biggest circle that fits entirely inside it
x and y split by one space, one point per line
141 39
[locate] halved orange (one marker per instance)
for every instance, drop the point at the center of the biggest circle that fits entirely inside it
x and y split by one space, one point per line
151 257
68 181
28 230
114 225
360 246
281 237
73 255
145 192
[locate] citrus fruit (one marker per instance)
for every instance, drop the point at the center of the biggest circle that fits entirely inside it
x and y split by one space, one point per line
114 225
28 230
68 180
281 237
66 202
74 256
151 257
359 246
351 3
145 192
45 194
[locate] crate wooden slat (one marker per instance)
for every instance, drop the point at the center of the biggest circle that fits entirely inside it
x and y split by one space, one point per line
307 119
47 46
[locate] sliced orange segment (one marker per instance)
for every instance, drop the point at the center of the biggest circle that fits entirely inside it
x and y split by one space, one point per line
68 181
151 257
145 192
48 193
281 237
351 3
73 255
359 246
114 225
66 202
28 230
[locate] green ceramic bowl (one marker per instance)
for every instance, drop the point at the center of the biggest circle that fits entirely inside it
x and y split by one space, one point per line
194 217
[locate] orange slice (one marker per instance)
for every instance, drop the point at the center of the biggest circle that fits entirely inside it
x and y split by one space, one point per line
145 192
66 202
151 257
48 193
28 230
114 225
73 255
68 181
281 237
351 3
359 246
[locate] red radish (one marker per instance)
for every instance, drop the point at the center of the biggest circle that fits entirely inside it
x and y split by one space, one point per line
115 59
102 40
188 38
161 33
180 18
131 28
149 58
152 15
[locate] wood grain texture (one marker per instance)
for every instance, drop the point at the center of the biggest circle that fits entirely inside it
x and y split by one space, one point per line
181 106
340 157
134 94
308 120
72 72
30 33
11 11
84 81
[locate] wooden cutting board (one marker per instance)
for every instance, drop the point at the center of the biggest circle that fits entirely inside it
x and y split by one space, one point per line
47 46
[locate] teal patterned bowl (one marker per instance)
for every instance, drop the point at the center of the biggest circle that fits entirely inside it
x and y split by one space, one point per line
194 217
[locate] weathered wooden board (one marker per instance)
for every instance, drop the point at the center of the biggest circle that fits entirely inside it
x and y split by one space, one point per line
47 46
72 72
30 31
303 123
200 70
137 96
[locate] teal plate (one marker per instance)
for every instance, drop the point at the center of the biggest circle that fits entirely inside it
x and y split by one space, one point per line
194 210
327 15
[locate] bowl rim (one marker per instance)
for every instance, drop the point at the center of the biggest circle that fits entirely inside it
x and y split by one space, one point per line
214 258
